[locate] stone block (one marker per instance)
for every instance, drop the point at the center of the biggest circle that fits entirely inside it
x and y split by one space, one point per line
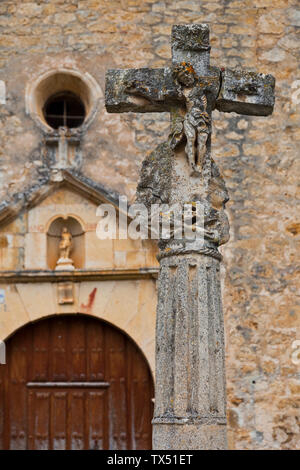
246 93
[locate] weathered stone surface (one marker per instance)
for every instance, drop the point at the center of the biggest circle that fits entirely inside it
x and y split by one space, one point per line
191 436
190 375
154 186
190 43
246 93
182 170
143 90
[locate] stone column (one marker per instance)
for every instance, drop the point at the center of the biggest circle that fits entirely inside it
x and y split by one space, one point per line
190 371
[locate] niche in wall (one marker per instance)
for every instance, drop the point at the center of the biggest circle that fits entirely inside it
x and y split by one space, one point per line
77 253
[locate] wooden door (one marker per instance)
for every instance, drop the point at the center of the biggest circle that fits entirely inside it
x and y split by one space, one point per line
74 382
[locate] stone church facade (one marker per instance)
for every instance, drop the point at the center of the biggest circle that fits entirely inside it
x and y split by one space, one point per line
53 57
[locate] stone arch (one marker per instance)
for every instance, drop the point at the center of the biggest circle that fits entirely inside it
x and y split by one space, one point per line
65 216
25 303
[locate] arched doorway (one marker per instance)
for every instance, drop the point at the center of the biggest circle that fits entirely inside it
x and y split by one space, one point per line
74 382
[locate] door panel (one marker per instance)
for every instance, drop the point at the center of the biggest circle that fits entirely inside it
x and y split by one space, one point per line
74 382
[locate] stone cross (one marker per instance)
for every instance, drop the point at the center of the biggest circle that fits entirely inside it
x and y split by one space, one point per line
63 144
190 396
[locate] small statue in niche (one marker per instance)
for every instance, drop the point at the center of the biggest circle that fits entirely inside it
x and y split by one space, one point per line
65 247
65 244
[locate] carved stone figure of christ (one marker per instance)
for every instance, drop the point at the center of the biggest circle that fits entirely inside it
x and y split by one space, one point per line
196 122
65 244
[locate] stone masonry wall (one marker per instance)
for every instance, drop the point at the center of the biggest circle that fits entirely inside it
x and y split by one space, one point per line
259 158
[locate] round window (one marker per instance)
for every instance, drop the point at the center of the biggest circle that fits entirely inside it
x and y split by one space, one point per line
63 98
64 109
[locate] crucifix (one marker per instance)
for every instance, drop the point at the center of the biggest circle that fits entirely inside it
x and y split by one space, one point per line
190 394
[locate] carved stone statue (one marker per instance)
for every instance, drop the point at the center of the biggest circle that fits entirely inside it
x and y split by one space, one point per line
65 246
190 393
197 122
